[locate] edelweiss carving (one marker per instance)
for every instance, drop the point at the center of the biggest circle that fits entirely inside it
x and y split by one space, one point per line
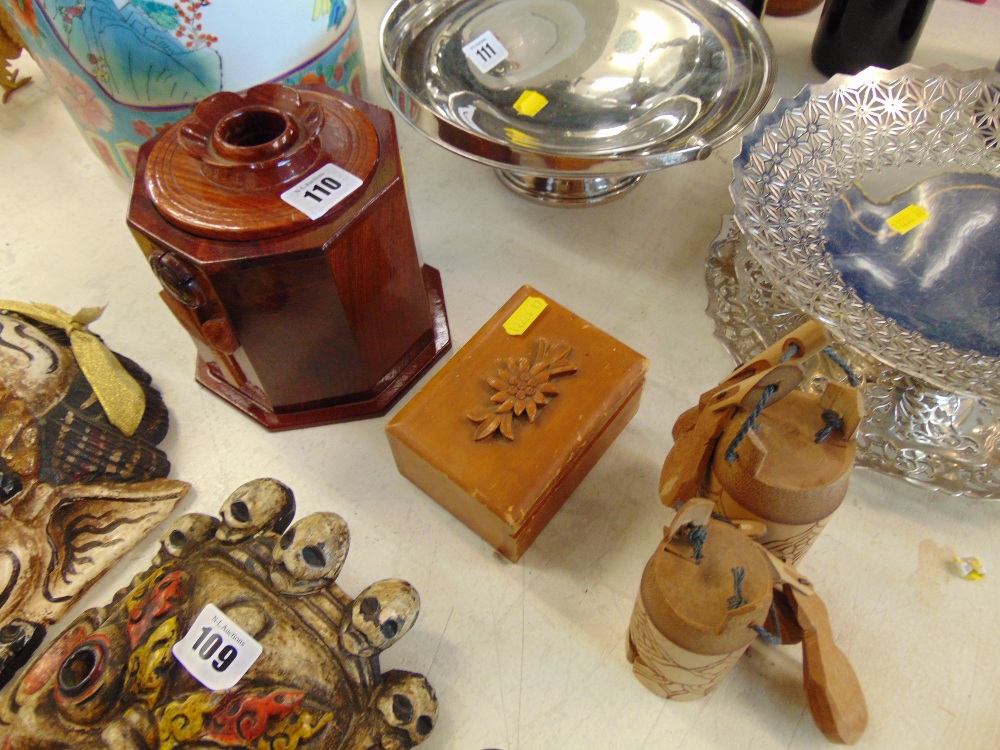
76 492
114 678
522 387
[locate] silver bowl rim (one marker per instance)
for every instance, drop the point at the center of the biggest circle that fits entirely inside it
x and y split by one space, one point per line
505 155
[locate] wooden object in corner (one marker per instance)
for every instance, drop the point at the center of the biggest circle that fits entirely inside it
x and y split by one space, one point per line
791 7
507 429
11 46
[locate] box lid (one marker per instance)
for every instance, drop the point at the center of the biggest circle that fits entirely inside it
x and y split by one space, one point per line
512 476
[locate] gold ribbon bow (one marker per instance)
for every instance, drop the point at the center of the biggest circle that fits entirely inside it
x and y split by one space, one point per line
120 395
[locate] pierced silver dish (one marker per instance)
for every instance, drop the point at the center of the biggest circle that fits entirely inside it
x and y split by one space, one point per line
926 435
573 101
816 190
909 132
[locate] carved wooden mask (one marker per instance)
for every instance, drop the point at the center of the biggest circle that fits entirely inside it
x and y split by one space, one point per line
76 494
121 677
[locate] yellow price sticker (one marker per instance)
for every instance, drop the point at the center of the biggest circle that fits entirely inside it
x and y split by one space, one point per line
530 103
520 139
910 217
526 314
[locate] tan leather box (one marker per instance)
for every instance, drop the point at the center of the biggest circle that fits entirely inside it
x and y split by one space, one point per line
509 427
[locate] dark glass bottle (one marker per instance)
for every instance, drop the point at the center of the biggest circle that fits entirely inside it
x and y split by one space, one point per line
854 34
756 6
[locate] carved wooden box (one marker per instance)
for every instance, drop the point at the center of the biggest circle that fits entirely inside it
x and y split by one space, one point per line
505 432
278 225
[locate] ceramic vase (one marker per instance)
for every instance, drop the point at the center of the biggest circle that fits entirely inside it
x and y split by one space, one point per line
127 69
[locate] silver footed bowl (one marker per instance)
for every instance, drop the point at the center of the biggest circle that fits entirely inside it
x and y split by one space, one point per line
928 436
572 101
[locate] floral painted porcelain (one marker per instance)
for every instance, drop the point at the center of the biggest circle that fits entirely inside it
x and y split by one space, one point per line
127 69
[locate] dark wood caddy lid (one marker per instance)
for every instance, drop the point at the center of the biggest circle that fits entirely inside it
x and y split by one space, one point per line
220 172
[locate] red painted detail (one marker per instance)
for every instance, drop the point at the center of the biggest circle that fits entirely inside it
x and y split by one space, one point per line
161 600
48 663
244 717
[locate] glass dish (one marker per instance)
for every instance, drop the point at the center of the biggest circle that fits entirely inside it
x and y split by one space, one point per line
924 434
881 134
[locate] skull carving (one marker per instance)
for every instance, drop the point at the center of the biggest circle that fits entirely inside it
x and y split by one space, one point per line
408 707
257 505
190 529
379 616
310 554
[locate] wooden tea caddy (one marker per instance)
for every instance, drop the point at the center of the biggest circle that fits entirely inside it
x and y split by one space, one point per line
277 223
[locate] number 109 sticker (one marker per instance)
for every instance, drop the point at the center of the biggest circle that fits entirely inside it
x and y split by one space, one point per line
321 191
216 651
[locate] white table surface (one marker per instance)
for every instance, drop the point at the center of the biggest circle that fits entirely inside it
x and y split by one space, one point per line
532 655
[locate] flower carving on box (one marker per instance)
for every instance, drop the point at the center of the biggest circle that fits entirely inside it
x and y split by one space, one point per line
81 477
522 387
118 676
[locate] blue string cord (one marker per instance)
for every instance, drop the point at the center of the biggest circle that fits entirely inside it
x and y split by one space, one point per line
750 423
831 418
833 422
852 378
737 600
697 536
766 635
765 396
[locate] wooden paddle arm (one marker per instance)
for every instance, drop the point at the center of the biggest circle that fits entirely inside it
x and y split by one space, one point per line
833 692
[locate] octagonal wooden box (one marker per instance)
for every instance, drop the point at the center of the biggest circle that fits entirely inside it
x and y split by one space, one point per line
510 426
301 314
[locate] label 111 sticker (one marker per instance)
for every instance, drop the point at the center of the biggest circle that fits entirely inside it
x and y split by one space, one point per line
321 191
485 52
216 651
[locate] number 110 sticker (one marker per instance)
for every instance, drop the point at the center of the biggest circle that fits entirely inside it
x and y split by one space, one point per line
216 651
321 191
